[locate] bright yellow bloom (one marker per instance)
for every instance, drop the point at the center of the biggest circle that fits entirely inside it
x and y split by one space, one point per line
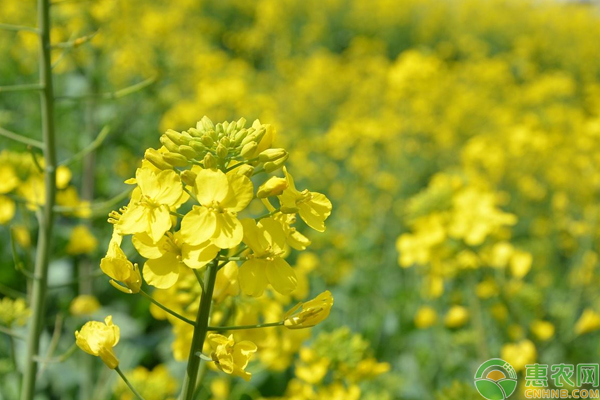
84 305
149 208
588 322
425 317
313 207
221 197
227 282
457 316
519 354
313 312
168 255
544 330
230 357
81 241
157 384
13 312
265 265
120 269
8 179
98 339
7 209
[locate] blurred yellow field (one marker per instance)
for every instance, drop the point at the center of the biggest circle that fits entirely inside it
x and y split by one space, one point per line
285 199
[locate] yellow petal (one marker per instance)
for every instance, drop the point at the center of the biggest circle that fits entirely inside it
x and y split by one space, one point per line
159 222
281 276
162 272
240 193
253 278
200 255
229 231
144 244
198 225
211 186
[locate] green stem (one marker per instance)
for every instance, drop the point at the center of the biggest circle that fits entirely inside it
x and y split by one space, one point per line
173 313
122 375
16 28
21 88
46 221
275 211
237 328
189 383
11 333
20 138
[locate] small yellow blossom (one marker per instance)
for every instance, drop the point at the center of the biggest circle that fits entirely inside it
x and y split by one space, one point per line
456 317
156 384
98 339
543 330
519 354
7 210
13 312
425 317
84 305
313 207
231 357
273 187
81 241
221 197
265 265
120 269
588 322
312 312
227 282
149 208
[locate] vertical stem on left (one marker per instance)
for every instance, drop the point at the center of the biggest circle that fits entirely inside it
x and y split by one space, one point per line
46 217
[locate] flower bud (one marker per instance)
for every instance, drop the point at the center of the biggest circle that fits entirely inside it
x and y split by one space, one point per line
197 146
168 143
205 124
271 154
209 161
221 151
188 151
225 141
219 128
271 166
239 136
207 141
250 137
176 159
194 132
310 313
188 177
248 149
177 138
273 187
241 123
245 170
156 159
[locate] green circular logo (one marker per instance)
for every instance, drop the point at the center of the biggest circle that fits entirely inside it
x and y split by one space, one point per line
496 379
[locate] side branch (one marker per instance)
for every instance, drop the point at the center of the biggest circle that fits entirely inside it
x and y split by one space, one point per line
20 138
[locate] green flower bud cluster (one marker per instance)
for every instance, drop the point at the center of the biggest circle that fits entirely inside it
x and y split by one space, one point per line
221 145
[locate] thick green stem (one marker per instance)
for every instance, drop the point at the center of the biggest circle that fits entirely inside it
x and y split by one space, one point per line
46 220
200 331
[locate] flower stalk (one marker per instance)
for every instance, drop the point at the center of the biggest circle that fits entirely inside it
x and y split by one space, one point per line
46 217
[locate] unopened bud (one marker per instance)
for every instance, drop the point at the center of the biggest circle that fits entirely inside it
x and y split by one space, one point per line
246 170
271 166
175 159
248 149
241 123
188 177
205 123
219 128
271 155
177 137
188 151
239 136
207 141
221 151
194 132
156 159
209 161
225 141
273 187
197 146
168 143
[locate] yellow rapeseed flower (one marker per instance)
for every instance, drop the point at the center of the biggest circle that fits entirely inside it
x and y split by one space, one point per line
312 312
425 317
13 312
456 317
98 339
588 322
84 305
81 241
120 269
231 357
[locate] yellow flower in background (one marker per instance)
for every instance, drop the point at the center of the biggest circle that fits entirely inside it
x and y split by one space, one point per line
227 282
98 339
231 357
338 391
425 317
7 210
81 241
84 305
312 312
310 367
21 235
120 269
8 179
13 312
265 264
273 187
543 330
520 263
519 354
155 384
456 317
588 322
313 207
63 177
149 208
220 389
221 197
168 255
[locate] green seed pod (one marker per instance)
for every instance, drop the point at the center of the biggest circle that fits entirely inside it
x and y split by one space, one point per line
271 166
248 149
188 177
188 151
271 155
156 159
209 161
169 144
221 151
176 159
